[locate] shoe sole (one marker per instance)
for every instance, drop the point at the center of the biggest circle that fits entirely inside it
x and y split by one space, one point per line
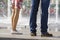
17 33
46 36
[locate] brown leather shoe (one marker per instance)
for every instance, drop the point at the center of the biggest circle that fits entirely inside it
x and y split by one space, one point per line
46 35
33 34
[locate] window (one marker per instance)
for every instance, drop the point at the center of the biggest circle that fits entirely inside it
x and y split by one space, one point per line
3 8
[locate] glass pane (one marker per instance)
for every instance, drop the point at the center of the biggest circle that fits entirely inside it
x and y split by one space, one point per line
59 10
52 9
26 8
3 8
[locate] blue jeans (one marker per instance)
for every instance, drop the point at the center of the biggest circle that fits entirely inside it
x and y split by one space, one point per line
44 15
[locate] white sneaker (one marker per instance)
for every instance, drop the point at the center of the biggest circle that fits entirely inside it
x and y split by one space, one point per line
14 32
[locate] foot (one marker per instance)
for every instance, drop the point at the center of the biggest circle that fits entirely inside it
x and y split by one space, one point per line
14 31
46 35
33 34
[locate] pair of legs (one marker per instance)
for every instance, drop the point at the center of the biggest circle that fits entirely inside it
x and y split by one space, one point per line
44 15
15 13
15 16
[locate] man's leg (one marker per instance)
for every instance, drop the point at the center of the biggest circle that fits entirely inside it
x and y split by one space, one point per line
44 16
33 17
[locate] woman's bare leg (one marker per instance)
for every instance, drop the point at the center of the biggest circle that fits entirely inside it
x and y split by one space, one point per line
15 19
13 12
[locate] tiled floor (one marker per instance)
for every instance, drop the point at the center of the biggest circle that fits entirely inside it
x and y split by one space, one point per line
5 34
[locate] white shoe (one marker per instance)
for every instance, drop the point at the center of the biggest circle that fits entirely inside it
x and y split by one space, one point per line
14 32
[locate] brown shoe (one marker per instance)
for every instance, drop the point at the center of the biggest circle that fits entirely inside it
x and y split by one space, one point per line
33 34
46 35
